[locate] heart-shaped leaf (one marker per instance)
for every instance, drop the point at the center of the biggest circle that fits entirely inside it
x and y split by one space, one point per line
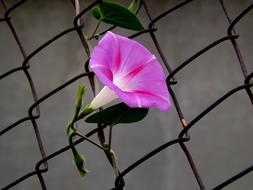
115 14
119 113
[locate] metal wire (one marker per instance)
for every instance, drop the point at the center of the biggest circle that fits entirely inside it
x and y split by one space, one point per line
183 136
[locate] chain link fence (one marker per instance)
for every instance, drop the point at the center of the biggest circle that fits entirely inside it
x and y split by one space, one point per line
41 167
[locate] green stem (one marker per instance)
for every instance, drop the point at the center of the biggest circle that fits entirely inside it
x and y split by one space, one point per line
95 30
102 33
71 132
91 141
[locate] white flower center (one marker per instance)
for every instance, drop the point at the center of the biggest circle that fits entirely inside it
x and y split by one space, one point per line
105 96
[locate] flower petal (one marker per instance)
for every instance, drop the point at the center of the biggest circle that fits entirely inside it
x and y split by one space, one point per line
131 71
105 96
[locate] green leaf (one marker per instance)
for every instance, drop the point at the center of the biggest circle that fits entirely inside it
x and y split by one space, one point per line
119 113
134 6
115 14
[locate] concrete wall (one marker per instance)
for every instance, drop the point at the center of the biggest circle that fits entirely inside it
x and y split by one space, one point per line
221 143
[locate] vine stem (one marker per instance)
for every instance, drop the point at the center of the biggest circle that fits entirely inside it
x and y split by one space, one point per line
91 141
108 152
77 9
81 35
95 30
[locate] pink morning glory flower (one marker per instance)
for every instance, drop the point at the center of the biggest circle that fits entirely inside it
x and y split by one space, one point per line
129 72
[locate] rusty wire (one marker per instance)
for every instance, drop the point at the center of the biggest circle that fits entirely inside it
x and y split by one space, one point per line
183 137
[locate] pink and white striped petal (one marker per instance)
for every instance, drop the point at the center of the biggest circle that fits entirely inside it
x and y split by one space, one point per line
129 72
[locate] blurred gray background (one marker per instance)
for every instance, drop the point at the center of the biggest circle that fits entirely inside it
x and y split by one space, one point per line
221 143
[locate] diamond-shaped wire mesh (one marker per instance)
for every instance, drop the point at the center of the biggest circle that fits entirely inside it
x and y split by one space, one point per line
25 68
